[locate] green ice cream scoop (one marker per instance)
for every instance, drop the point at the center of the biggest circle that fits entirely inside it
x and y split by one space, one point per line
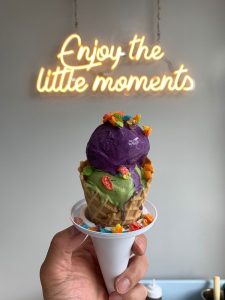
114 189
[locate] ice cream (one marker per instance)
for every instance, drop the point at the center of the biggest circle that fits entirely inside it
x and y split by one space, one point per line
117 173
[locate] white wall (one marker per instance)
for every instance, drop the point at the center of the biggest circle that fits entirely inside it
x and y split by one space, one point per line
43 139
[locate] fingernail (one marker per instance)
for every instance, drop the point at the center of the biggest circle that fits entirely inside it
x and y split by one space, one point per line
123 285
115 297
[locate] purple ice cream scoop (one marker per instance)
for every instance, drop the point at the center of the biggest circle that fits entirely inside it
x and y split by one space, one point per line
110 147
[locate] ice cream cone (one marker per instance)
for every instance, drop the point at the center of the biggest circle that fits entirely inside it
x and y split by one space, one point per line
102 211
113 249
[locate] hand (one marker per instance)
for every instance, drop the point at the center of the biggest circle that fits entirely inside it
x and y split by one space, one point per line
71 270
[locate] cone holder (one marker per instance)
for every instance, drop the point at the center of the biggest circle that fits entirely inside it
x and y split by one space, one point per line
113 250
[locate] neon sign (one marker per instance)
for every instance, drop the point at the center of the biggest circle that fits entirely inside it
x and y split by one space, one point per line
80 70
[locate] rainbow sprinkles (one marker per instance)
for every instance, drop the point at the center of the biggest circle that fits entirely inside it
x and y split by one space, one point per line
145 220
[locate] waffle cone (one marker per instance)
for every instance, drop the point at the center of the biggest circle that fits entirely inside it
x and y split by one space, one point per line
102 212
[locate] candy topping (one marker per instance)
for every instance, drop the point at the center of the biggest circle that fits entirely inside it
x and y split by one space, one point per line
126 118
117 229
147 130
149 218
105 230
144 221
116 118
133 122
106 181
148 169
124 172
135 226
119 119
88 170
137 118
93 228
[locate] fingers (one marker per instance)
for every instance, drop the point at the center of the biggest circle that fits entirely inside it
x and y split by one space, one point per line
138 292
129 278
140 245
64 243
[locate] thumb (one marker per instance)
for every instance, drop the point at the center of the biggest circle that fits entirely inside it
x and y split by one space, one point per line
64 243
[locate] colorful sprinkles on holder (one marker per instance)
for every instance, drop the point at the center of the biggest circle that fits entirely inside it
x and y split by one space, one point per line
144 221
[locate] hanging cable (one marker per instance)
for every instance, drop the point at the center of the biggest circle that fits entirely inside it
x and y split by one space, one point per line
158 21
75 14
158 37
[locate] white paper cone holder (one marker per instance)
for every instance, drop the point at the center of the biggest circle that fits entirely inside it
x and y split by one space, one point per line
113 250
